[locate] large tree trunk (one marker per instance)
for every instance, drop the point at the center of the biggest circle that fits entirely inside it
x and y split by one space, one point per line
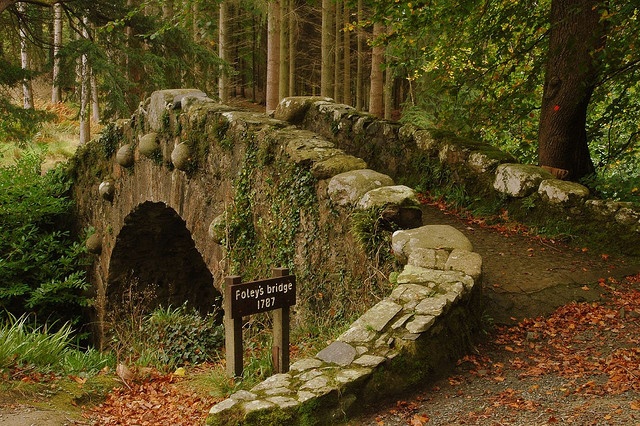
571 76
273 55
377 76
56 92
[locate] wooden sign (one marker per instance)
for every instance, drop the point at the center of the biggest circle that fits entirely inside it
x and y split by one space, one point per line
241 299
262 296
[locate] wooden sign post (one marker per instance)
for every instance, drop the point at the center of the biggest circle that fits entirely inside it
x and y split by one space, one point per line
243 299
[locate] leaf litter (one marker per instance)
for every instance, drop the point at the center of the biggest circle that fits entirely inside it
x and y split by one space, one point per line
579 365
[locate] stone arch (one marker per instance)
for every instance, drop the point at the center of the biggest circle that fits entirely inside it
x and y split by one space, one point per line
155 262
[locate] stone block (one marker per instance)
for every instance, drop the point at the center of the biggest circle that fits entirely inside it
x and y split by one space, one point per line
339 163
562 192
519 180
293 109
444 237
465 261
349 187
340 353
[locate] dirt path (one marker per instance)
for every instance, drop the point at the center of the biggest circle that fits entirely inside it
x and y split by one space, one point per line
524 277
579 364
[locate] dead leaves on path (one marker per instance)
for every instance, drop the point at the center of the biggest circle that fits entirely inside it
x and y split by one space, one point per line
579 365
595 346
157 400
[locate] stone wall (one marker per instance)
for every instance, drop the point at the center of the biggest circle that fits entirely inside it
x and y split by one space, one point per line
415 334
396 150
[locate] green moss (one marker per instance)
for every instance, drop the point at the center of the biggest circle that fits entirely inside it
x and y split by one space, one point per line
372 232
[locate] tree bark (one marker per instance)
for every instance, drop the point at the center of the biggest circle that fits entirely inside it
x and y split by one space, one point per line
337 69
388 94
359 60
223 49
377 76
27 90
5 4
273 55
56 92
326 48
292 48
283 84
346 76
85 89
570 78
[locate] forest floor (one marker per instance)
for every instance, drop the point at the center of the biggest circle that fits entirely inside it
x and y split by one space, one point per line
561 346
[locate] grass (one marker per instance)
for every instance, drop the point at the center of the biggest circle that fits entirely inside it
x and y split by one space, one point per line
57 138
28 348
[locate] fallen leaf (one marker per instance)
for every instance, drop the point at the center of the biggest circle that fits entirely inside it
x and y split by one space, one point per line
419 420
635 405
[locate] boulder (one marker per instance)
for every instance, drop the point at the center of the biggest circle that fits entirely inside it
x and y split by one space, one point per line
162 100
107 190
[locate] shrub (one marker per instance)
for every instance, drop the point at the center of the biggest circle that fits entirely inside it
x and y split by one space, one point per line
42 267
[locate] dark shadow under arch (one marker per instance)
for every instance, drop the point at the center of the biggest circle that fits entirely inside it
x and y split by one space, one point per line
155 263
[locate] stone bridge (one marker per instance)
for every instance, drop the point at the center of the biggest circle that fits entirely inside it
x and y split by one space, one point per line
189 191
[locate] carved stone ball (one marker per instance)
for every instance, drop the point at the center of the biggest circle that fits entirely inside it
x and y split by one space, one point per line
181 157
107 189
217 229
94 243
125 156
148 145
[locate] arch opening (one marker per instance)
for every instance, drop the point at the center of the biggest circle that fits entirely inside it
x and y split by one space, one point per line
155 263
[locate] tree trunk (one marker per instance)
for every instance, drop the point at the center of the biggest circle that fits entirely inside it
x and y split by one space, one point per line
85 88
346 76
283 84
326 47
27 91
95 102
571 76
359 60
273 55
388 94
377 78
223 49
56 92
337 69
292 48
